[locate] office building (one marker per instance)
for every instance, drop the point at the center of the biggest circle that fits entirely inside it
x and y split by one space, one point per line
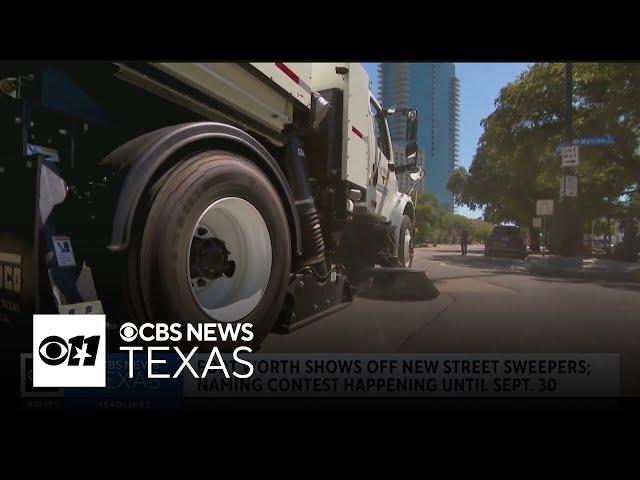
433 89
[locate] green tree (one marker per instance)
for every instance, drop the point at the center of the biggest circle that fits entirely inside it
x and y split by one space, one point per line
456 183
434 224
516 161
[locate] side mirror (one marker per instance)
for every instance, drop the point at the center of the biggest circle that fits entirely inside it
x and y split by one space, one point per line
411 148
412 125
417 175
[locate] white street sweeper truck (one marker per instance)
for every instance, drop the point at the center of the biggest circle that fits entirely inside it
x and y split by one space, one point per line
196 192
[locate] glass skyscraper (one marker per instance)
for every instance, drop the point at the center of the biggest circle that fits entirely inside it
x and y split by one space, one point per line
433 89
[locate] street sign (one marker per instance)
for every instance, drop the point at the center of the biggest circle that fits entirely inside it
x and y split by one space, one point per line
537 222
590 141
544 207
569 186
570 156
598 140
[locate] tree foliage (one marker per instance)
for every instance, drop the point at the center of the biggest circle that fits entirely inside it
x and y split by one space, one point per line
516 162
434 224
456 183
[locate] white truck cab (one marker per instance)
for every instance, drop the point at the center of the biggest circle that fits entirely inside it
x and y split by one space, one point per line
367 153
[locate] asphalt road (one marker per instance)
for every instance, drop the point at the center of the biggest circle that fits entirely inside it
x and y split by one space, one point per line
486 305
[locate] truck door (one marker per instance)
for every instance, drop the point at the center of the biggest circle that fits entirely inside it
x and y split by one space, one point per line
382 183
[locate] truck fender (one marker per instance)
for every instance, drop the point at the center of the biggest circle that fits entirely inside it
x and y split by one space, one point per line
403 205
138 160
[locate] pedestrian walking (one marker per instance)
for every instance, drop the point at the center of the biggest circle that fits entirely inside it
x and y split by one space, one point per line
464 240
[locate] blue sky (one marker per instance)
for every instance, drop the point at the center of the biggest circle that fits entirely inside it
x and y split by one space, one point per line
480 84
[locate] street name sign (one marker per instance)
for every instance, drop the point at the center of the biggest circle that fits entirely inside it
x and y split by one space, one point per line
544 207
570 156
595 141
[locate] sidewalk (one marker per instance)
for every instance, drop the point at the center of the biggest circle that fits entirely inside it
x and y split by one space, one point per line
591 268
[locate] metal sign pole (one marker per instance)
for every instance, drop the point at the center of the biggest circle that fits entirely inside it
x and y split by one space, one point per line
544 235
571 223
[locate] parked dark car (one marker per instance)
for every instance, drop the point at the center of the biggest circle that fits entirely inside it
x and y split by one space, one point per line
619 249
505 240
599 246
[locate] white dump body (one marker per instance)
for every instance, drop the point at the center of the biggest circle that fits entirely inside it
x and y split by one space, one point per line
264 92
269 92
293 78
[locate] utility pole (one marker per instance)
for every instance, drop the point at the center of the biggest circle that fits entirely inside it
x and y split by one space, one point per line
568 102
571 225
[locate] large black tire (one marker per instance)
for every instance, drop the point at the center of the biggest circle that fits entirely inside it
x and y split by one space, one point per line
406 227
159 267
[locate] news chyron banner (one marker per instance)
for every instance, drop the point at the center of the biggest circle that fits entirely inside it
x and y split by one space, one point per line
167 363
404 375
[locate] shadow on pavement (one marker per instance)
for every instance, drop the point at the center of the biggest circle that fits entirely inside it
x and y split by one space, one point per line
488 266
614 284
400 284
450 249
480 261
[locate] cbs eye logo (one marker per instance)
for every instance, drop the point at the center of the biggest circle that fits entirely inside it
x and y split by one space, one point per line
76 351
128 332
69 351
